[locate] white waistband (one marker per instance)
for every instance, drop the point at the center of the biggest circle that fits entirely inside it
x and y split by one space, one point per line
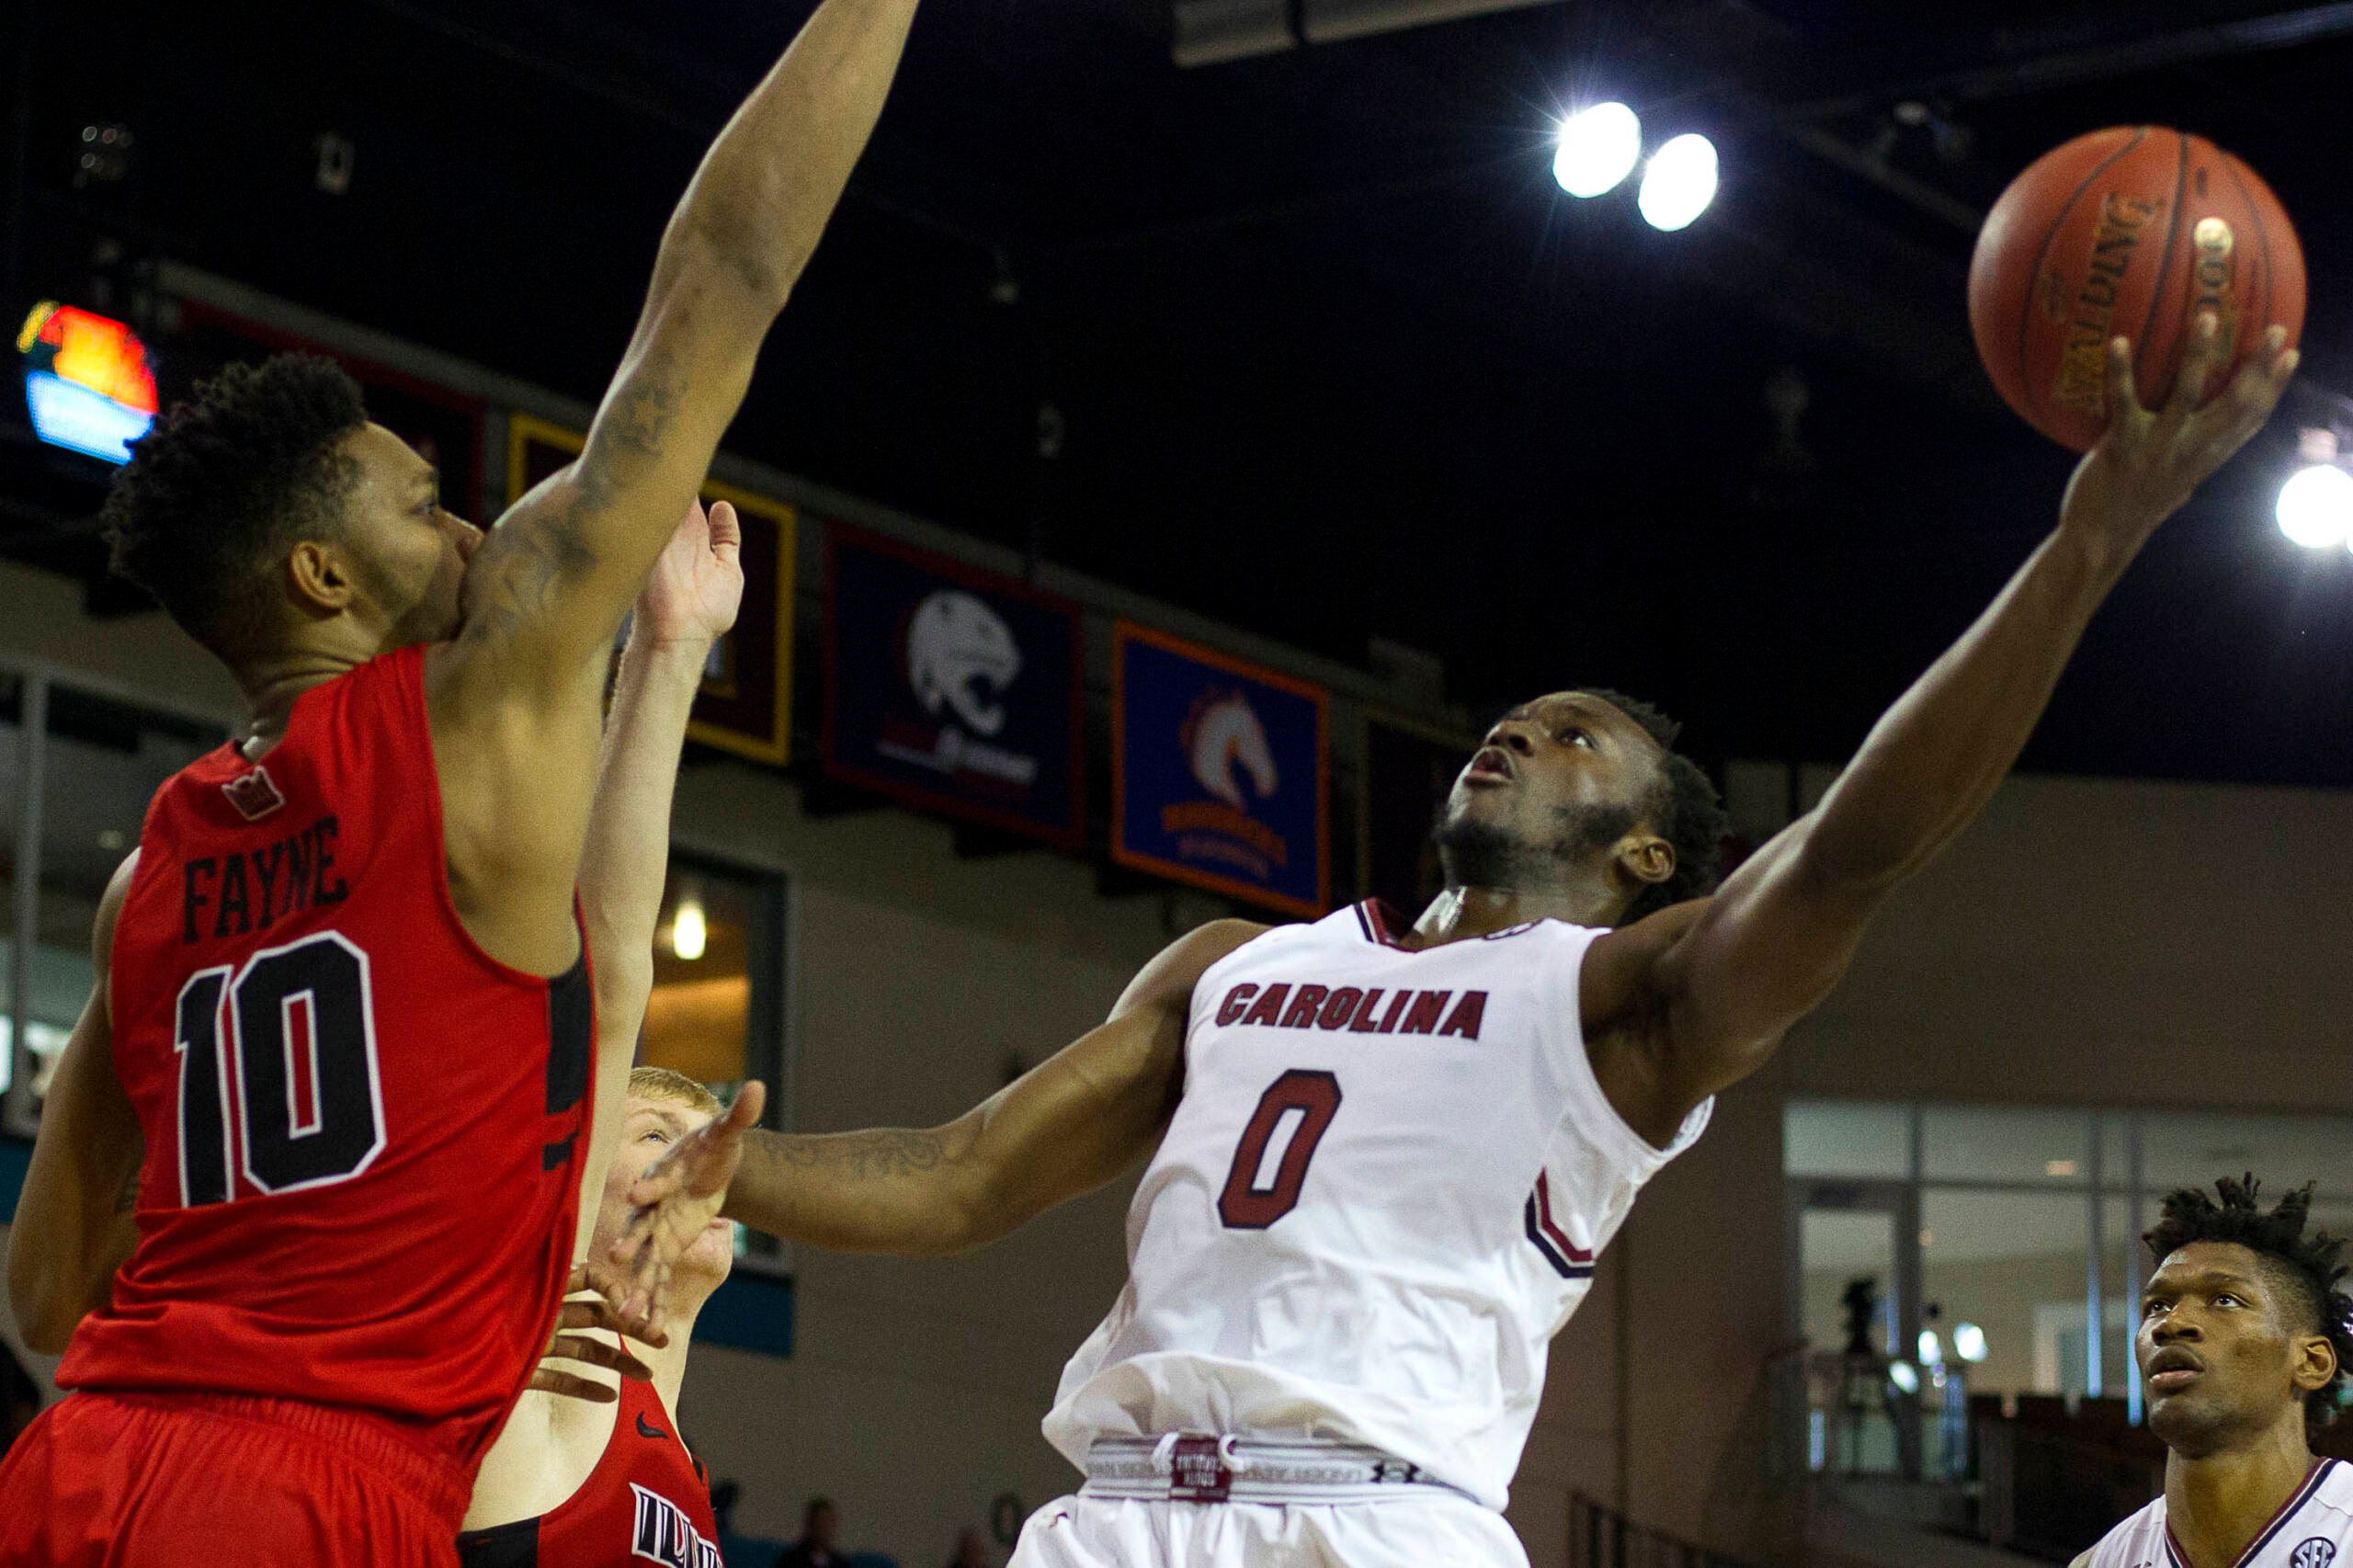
1196 1467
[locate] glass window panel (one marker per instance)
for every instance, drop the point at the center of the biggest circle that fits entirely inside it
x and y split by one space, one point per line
2013 1265
1838 1248
1849 1138
2044 1148
697 1021
2122 1255
105 761
2192 1148
2116 1150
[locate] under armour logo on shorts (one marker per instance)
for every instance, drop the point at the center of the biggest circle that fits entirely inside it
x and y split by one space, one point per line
2317 1552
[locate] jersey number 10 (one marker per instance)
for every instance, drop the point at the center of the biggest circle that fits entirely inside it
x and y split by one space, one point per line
306 1122
1255 1196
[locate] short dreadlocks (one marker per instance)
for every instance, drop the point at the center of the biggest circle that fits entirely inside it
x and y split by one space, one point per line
1683 807
220 484
2307 1268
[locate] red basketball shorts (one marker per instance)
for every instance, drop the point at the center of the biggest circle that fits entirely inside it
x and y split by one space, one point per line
163 1480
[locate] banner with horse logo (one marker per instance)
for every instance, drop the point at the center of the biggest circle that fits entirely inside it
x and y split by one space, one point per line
1219 772
951 689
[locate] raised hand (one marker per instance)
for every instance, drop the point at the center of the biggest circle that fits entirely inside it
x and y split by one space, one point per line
583 1309
2149 462
671 1204
697 583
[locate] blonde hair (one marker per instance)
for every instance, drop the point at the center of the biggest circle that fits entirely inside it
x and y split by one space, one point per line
666 1084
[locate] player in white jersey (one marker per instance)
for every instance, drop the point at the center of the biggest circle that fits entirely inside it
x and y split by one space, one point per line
1382 1159
2243 1345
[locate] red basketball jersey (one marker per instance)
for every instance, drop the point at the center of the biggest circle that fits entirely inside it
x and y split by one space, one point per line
647 1499
364 1134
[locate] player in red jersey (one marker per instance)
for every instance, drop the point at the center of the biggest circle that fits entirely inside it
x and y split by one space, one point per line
343 996
571 1483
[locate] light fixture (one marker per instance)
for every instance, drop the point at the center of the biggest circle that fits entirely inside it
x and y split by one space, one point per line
1968 1342
1598 147
1678 182
2058 1167
688 933
1932 1350
1903 1376
88 383
2315 504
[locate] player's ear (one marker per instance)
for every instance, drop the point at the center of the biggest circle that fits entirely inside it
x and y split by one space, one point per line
318 579
2316 1363
1645 857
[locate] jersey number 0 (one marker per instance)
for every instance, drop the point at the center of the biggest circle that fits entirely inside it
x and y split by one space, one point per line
299 1030
1254 1197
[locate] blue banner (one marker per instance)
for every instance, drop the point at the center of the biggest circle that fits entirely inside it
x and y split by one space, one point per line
1218 772
951 689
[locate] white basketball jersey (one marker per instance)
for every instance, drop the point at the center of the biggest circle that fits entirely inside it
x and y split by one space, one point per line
2313 1529
1378 1202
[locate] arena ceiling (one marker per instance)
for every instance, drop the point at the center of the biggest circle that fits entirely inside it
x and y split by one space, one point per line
1330 355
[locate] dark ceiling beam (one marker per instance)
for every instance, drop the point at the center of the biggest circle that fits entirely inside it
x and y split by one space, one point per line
2278 30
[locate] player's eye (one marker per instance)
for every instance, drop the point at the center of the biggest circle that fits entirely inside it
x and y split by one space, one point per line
2152 1306
2225 1296
1573 737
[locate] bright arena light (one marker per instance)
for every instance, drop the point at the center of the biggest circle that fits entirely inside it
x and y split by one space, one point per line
1679 182
1968 1342
2315 507
686 931
1598 148
1903 1375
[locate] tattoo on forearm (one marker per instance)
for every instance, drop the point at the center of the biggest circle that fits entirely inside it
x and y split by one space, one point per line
854 1156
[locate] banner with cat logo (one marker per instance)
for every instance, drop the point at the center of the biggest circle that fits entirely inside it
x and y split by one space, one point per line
951 689
1219 772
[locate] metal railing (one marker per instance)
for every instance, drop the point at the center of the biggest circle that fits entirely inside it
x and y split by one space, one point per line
1600 1536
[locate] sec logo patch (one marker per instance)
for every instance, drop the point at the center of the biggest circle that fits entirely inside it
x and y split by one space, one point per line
2313 1553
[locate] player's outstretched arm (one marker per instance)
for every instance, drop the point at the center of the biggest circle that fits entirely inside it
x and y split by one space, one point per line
1064 1128
688 602
1697 997
550 583
73 1225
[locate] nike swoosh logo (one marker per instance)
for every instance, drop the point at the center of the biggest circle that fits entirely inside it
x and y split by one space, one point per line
644 1431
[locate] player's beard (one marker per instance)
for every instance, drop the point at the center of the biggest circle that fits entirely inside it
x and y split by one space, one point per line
1478 854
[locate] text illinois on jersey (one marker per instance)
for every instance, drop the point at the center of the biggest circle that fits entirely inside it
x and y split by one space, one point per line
1284 1005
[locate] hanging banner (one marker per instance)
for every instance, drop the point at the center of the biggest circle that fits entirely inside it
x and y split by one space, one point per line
745 704
1219 772
951 689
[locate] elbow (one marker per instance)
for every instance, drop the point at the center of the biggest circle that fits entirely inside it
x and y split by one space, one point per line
733 254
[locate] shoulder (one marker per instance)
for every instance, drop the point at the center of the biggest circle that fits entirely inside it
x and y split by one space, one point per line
1168 980
1621 966
110 911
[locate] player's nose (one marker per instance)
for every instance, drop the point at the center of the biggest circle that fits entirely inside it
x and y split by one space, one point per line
1512 735
468 537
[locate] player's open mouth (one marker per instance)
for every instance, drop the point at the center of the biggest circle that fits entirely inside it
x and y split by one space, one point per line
2170 1371
1490 765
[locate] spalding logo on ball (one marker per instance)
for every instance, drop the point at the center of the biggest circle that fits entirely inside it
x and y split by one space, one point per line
2126 232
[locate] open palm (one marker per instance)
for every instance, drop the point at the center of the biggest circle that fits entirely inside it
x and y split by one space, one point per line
697 583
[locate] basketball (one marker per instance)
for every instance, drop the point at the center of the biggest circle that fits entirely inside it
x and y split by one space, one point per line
2120 231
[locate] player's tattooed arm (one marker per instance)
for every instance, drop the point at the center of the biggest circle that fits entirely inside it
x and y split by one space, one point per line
1066 1127
551 581
71 1230
1696 997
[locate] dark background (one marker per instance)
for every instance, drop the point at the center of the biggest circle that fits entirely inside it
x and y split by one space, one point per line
1332 356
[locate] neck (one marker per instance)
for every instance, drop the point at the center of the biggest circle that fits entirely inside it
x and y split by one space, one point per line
2216 1503
669 1363
1462 913
271 683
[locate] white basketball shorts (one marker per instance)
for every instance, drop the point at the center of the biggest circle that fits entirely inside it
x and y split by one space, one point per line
1423 1528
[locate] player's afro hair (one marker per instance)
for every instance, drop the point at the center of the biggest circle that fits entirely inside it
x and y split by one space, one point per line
2307 1266
1684 808
220 484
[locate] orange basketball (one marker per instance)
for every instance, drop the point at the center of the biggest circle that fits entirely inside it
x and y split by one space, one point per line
2117 233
